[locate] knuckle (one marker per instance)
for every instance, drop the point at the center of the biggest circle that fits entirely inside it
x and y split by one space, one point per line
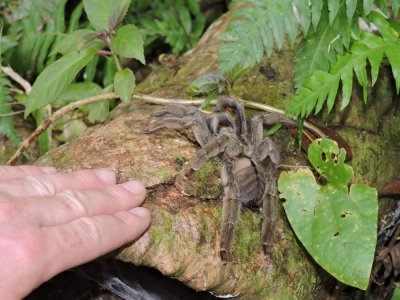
72 203
91 229
40 187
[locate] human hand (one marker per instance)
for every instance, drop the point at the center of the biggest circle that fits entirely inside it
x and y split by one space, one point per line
50 222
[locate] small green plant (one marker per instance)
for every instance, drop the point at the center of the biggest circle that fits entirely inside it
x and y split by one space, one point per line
74 50
80 47
337 226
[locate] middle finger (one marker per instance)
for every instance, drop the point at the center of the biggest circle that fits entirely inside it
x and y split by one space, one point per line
71 205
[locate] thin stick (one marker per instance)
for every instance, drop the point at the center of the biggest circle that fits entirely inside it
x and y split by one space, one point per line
17 78
50 120
149 99
12 113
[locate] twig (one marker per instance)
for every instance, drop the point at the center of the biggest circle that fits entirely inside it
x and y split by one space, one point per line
17 78
250 104
149 99
12 113
50 120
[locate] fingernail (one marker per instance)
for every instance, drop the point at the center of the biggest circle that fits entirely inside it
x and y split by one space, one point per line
141 212
105 175
135 187
49 170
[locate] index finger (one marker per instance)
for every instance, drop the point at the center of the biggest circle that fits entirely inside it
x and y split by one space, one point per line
10 172
86 238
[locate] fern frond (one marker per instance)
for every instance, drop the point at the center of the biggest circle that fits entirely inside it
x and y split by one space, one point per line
321 87
259 26
319 49
263 24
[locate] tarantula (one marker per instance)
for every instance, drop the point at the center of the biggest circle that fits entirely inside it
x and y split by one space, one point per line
242 152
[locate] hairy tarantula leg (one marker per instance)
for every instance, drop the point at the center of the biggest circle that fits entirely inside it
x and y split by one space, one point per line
268 211
214 121
230 213
229 101
265 148
194 119
215 146
257 125
174 110
172 123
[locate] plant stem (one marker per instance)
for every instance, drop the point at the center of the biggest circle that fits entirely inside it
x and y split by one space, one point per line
117 62
12 113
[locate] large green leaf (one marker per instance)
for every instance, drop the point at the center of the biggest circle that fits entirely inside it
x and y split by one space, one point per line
128 43
78 91
103 13
52 82
124 83
75 41
337 226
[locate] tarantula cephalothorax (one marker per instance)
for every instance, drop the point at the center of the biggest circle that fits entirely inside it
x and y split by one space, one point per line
245 180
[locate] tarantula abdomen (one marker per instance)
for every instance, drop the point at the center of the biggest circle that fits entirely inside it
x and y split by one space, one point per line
250 182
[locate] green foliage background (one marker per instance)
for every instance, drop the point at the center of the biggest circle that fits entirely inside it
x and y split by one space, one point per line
36 34
332 45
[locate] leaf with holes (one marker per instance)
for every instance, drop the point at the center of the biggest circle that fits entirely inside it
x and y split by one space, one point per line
337 226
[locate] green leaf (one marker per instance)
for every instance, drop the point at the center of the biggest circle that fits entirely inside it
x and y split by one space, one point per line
396 293
124 84
336 226
386 30
103 12
316 8
75 41
207 84
351 8
53 81
368 5
394 60
128 43
118 13
395 7
333 6
78 91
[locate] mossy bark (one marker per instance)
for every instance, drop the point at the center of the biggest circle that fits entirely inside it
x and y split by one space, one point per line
182 241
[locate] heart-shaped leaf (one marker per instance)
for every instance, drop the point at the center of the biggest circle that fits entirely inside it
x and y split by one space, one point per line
128 43
337 226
